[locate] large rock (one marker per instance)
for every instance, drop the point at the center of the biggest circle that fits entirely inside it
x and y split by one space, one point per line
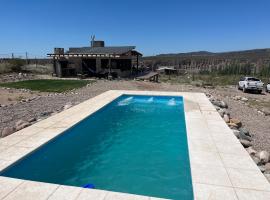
244 131
245 143
267 167
264 157
233 126
226 118
223 104
244 99
219 103
67 106
45 114
237 122
21 124
242 136
251 151
237 98
256 160
266 112
221 112
33 119
7 131
262 168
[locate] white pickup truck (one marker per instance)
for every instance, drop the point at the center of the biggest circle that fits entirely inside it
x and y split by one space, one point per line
250 83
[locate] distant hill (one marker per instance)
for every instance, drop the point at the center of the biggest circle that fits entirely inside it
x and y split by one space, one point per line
245 54
234 62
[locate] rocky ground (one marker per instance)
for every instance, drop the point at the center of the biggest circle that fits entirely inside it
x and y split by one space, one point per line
250 109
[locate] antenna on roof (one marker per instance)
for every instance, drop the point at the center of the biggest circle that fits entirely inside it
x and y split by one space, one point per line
92 40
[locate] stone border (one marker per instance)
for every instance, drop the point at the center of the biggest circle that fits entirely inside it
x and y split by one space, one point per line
220 166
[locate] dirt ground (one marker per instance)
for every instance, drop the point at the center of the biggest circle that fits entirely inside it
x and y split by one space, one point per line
43 105
12 96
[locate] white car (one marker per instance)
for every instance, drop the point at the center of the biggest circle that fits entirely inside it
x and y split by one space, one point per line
250 83
267 88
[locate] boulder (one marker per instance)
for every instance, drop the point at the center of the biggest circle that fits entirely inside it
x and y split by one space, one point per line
242 136
20 122
244 99
266 112
236 133
251 151
45 114
245 132
7 131
256 160
233 126
221 112
226 118
267 167
216 103
67 106
264 157
237 98
208 95
223 104
22 126
262 168
260 112
237 122
33 119
245 143
217 108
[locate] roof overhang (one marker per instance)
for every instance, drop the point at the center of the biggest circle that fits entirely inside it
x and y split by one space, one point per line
94 55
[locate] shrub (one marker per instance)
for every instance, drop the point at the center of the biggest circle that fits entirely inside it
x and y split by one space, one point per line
16 64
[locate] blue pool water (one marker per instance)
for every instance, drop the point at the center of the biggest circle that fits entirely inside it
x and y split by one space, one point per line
136 144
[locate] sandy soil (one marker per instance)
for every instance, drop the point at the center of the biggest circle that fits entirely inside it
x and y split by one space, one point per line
46 104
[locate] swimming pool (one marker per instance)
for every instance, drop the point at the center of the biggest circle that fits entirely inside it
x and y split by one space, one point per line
135 144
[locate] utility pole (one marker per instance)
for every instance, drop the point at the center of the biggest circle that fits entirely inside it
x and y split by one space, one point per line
26 58
12 55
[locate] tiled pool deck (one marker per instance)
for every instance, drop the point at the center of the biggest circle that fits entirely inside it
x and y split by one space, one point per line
221 168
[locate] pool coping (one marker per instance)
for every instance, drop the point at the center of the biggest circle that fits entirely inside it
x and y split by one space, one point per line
220 166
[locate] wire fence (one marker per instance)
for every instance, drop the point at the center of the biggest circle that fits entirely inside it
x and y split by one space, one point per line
21 55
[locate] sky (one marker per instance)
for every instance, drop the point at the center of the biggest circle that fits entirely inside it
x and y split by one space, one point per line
153 26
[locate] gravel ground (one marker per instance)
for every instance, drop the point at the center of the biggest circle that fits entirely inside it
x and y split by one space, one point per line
42 106
257 123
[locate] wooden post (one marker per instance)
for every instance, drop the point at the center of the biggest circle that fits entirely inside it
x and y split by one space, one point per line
54 65
110 68
137 63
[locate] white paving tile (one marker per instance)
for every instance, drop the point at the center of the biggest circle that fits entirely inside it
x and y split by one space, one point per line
11 140
248 179
124 196
245 194
231 148
7 185
14 153
32 190
238 161
212 192
206 174
224 138
5 163
199 158
201 145
92 194
32 142
65 193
